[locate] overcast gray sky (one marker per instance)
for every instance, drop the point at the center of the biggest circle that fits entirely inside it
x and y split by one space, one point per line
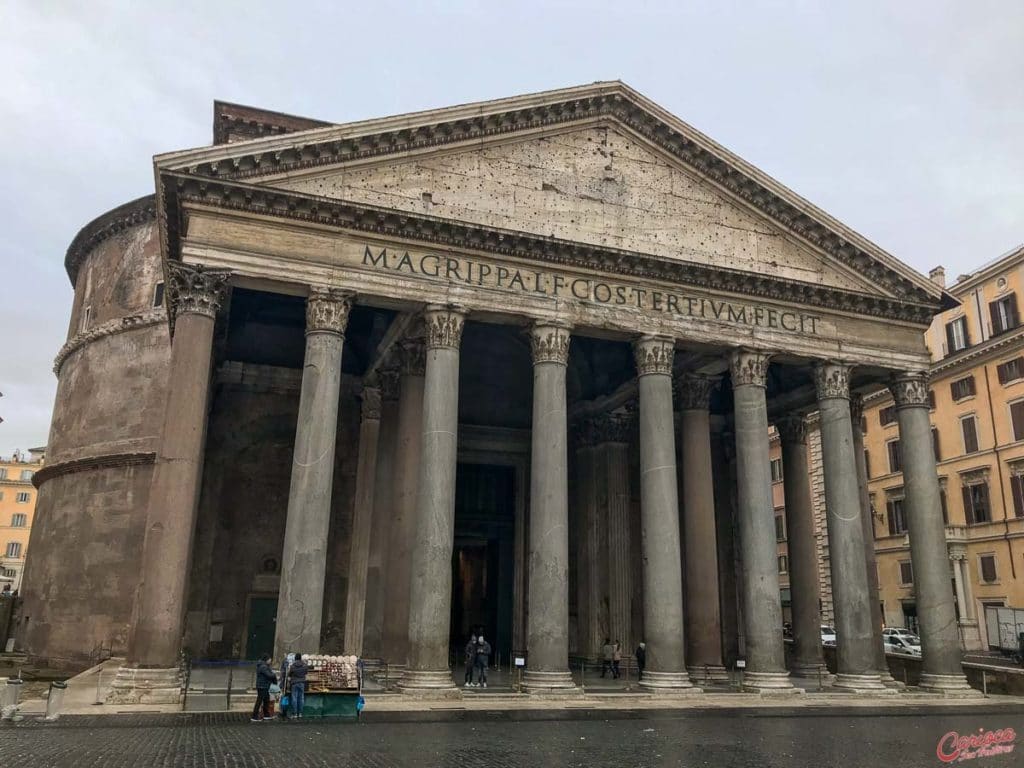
902 119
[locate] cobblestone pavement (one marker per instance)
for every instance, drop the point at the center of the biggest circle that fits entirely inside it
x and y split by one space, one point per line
592 740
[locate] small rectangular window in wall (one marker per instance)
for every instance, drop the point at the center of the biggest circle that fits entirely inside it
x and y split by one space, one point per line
1011 370
780 528
944 505
897 518
935 444
956 336
962 388
887 415
22 498
776 470
987 565
931 399
26 474
158 294
1017 489
19 520
13 549
969 426
895 456
976 504
3 473
783 564
867 463
1004 314
1017 419
906 572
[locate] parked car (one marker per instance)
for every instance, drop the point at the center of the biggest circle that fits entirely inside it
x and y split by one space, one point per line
828 635
897 631
904 642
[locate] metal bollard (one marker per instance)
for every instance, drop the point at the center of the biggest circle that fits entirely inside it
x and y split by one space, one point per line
12 691
984 682
54 699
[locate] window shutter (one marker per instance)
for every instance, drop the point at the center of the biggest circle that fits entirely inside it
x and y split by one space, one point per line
970 430
891 514
997 326
1014 317
1001 373
935 444
968 506
1017 488
1017 419
970 385
988 568
950 346
986 513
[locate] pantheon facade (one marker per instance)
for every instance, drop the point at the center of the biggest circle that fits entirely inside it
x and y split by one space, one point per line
509 366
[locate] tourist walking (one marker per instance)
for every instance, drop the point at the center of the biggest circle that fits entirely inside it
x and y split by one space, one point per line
297 676
606 657
616 659
641 659
470 654
483 657
265 677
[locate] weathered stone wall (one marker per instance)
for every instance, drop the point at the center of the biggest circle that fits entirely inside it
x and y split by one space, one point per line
83 570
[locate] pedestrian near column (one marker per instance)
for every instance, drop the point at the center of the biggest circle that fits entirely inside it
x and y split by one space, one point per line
265 677
606 657
641 660
483 657
616 659
470 654
297 674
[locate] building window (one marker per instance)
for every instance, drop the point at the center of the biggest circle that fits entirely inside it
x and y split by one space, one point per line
976 505
1011 370
776 470
906 572
895 456
897 518
962 388
3 473
931 399
887 415
944 505
956 336
26 474
987 565
783 564
867 463
1017 489
1004 314
14 549
780 528
19 520
22 498
10 573
935 444
969 426
863 425
1017 419
158 294
86 318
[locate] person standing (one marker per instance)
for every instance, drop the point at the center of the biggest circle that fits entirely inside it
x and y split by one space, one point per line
483 656
641 659
470 654
616 659
265 677
297 675
606 657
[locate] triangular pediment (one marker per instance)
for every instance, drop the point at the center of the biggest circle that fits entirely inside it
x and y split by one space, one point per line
598 165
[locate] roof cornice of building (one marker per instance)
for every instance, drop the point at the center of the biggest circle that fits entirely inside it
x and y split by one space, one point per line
987 271
971 356
106 226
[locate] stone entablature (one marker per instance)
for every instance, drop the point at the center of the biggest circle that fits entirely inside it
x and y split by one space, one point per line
121 325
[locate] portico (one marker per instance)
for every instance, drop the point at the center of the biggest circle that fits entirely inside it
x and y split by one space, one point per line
598 362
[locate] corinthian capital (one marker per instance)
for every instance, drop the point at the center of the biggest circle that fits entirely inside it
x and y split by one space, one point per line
327 310
693 391
654 354
371 404
443 326
412 357
550 343
910 390
195 289
749 366
792 429
832 380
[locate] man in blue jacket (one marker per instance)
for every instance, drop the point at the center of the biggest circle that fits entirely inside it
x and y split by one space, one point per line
297 677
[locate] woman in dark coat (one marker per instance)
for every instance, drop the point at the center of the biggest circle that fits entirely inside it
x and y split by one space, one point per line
265 677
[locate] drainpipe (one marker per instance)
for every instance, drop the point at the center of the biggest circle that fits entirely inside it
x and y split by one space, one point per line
999 474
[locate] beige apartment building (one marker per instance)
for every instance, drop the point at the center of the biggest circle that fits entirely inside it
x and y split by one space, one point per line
977 416
17 507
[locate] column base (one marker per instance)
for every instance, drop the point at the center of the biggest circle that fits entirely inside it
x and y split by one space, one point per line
138 685
769 684
547 683
668 682
810 669
891 682
870 684
429 684
706 674
950 686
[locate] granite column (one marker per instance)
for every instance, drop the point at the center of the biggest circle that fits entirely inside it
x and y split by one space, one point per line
151 672
659 516
430 590
547 626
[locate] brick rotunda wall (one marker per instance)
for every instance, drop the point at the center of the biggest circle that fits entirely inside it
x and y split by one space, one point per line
86 544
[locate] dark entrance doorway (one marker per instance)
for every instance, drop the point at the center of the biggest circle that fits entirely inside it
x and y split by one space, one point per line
483 560
262 623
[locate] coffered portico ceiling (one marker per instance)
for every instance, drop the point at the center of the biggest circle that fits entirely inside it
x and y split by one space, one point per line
590 177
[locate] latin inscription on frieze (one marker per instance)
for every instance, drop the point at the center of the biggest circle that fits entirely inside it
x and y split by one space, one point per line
593 290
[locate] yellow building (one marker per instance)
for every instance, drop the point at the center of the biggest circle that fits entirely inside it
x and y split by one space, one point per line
977 384
17 505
